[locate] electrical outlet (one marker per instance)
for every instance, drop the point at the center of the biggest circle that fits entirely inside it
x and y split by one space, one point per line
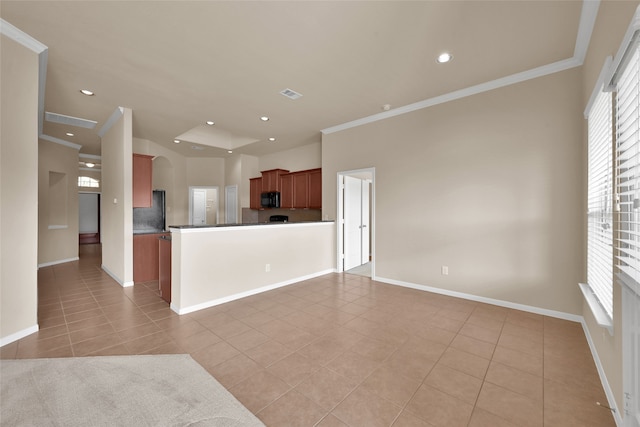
445 270
267 268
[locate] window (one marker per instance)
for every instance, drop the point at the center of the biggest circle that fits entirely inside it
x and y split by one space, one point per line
600 201
614 152
627 87
87 181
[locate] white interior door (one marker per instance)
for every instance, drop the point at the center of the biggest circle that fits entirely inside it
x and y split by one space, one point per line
352 222
631 356
231 204
365 221
199 207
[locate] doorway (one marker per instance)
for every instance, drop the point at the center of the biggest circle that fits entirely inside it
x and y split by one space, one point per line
356 190
231 204
88 218
203 205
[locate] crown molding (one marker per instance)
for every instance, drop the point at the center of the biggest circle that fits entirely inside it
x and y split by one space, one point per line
117 113
21 37
90 156
585 29
60 141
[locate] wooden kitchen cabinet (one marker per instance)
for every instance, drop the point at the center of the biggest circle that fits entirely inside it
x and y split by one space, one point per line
271 179
286 191
315 189
164 260
142 180
300 190
307 189
255 189
145 257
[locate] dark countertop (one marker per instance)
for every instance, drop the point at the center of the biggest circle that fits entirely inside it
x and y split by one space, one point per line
138 232
186 227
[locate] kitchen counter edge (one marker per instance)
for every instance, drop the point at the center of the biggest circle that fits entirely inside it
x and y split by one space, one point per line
185 228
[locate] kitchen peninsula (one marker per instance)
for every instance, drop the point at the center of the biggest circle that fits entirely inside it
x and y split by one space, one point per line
214 264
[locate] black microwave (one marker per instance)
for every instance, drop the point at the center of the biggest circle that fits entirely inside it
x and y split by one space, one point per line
270 199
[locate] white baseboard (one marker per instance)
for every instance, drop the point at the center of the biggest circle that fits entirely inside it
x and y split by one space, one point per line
61 261
18 335
611 400
218 301
501 303
551 313
116 278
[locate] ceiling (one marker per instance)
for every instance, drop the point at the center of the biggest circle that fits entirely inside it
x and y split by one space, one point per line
177 64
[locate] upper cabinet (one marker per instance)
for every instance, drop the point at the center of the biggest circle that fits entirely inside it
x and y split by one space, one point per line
142 180
307 189
255 188
315 189
271 179
286 191
298 190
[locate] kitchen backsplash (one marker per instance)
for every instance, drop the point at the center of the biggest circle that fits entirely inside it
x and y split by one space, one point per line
252 216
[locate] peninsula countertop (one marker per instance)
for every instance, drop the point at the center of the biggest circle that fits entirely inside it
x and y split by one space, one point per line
254 224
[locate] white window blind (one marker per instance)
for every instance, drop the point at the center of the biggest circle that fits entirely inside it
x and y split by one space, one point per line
600 201
628 165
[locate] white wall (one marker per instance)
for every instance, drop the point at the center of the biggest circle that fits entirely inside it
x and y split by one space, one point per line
59 244
18 191
214 265
488 185
117 203
296 159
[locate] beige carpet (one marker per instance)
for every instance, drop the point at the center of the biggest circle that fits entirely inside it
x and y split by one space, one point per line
165 390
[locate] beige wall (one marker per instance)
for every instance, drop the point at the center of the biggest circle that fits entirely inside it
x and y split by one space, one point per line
238 170
18 191
612 22
169 174
487 185
117 205
296 159
214 265
61 244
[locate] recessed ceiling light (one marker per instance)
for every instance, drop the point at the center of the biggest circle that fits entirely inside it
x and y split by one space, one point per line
444 57
272 139
230 151
69 134
210 122
177 141
86 92
89 164
264 118
386 107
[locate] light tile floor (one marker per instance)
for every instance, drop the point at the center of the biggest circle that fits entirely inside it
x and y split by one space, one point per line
338 350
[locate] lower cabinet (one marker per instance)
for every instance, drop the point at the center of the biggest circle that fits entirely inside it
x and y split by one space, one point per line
165 269
145 257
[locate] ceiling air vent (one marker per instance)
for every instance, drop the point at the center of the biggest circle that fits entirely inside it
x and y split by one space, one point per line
197 148
68 120
291 94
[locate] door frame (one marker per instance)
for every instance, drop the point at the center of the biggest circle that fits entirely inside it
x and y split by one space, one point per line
365 173
99 194
204 187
